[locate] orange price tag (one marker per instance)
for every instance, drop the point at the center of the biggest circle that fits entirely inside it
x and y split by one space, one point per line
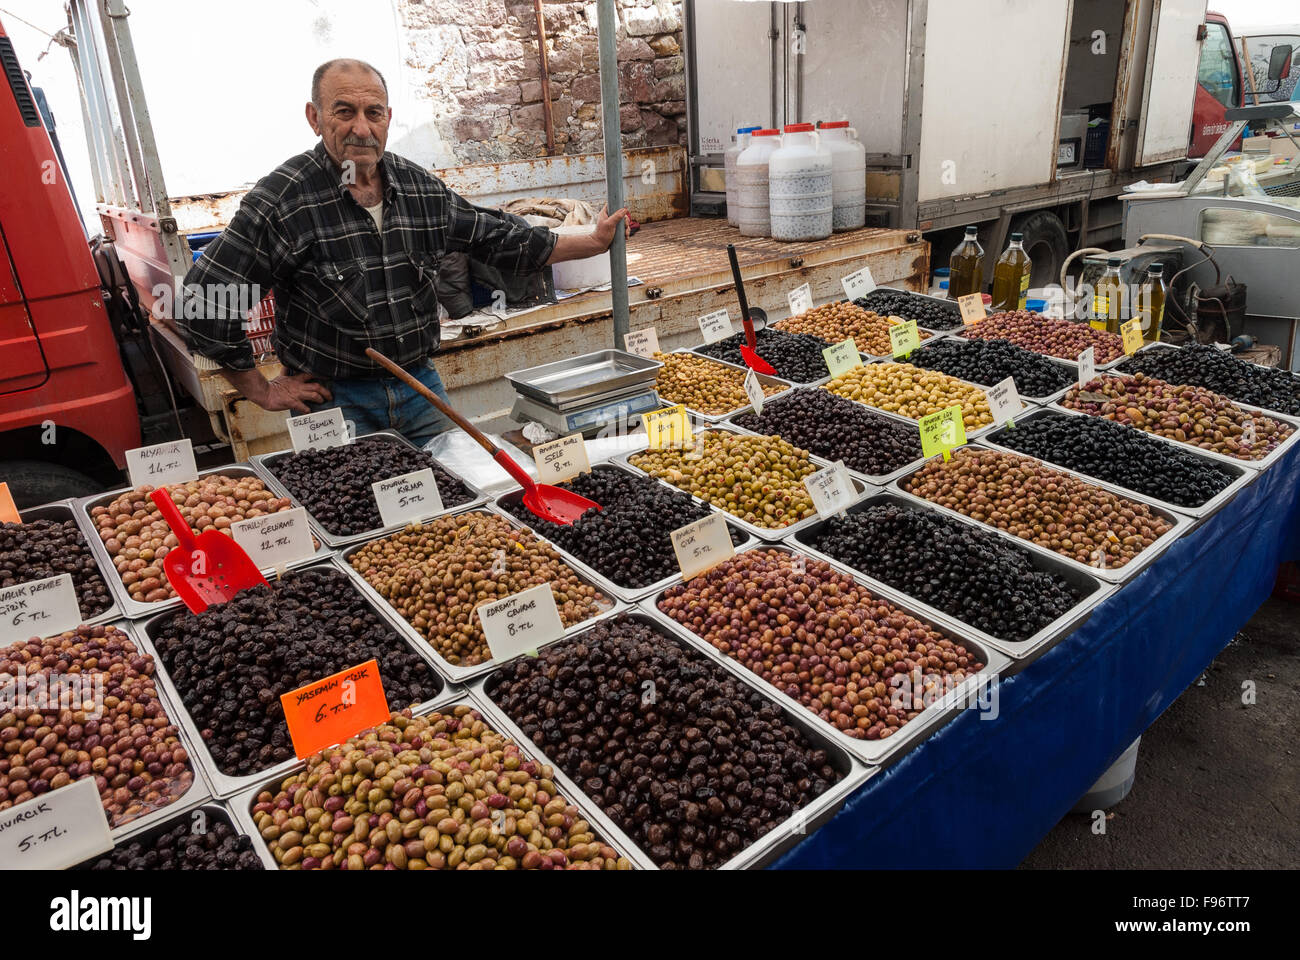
329 711
8 510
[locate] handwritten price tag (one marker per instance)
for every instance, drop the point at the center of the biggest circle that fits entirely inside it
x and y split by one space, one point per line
1087 367
1131 331
412 496
831 489
858 284
972 308
318 431
1004 401
842 357
800 299
715 326
38 608
702 545
643 343
275 539
521 622
754 391
562 459
56 830
903 336
942 432
668 428
329 711
162 464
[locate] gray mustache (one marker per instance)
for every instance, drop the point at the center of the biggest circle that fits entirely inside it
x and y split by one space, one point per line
355 141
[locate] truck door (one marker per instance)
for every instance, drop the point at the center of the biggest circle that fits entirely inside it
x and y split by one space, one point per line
1218 86
1169 91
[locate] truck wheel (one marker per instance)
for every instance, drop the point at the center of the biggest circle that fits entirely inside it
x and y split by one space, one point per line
1047 244
33 483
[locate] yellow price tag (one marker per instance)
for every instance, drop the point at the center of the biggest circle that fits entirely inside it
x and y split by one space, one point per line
972 308
842 357
668 428
942 432
903 336
1131 331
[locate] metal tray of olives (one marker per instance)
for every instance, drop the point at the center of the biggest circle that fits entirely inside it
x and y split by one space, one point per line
628 595
766 848
265 463
880 753
958 334
868 478
794 384
770 535
951 304
63 510
135 609
1241 476
449 671
241 805
1257 465
225 785
785 385
1024 651
210 809
1070 366
1179 524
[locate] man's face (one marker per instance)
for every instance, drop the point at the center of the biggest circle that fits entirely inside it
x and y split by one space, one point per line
353 117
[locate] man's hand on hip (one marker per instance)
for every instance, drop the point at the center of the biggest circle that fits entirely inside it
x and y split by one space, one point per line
294 393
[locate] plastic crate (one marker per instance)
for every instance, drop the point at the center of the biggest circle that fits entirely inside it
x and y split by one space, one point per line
1094 147
260 324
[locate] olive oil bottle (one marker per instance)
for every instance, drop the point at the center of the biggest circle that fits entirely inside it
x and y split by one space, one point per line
1150 304
1011 276
966 267
1108 299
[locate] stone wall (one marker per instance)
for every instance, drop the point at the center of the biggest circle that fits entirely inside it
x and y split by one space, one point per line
478 60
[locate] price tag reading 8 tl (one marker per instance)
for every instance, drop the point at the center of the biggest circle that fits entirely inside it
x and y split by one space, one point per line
521 622
642 343
329 711
800 299
562 459
942 432
668 429
702 545
972 308
1131 331
831 489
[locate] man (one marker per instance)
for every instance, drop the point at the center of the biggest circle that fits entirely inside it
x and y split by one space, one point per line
349 238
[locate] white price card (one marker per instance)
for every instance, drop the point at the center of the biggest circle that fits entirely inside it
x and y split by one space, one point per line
642 343
1087 367
800 298
318 431
162 464
38 608
972 308
561 459
716 326
56 830
831 489
702 545
754 391
410 497
859 283
1004 401
276 539
521 622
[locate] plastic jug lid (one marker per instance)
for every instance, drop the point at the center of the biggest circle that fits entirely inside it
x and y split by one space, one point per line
747 129
766 133
1035 305
799 128
833 124
942 271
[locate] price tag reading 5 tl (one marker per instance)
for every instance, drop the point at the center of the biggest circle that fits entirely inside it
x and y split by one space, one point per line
329 711
521 622
161 464
318 431
702 545
562 459
412 496
972 308
276 539
942 432
55 830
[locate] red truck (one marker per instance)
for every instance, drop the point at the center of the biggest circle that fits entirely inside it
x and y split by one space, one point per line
67 408
1218 84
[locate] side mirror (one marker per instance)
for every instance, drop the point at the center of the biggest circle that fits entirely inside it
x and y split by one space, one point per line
1279 63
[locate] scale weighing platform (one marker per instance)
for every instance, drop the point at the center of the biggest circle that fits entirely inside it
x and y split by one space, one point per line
585 394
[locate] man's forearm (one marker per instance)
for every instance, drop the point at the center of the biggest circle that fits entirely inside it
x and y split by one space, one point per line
250 383
576 247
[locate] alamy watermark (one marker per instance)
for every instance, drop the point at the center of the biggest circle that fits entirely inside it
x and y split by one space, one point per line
52 691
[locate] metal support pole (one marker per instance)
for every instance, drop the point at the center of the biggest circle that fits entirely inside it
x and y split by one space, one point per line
609 102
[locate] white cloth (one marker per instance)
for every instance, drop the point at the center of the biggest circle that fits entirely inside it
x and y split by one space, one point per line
377 211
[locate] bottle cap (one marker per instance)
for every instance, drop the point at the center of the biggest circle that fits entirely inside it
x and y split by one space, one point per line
833 124
972 231
766 133
747 129
1156 269
1114 261
799 128
1017 237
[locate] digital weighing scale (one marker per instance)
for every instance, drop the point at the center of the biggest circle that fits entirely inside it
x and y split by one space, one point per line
585 394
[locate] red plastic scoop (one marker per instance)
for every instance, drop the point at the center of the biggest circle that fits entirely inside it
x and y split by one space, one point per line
542 500
207 569
749 352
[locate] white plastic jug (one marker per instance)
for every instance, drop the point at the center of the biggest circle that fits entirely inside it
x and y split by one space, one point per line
739 143
800 186
849 163
751 184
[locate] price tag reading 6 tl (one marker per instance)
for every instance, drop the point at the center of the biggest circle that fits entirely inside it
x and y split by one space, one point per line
942 432
702 545
521 622
643 343
329 711
38 608
562 459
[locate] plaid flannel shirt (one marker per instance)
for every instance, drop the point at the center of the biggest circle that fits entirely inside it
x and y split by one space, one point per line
340 285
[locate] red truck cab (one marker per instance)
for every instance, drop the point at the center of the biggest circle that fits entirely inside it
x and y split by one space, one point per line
1218 84
67 409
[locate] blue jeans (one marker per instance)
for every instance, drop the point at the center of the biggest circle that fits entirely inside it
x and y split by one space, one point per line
389 404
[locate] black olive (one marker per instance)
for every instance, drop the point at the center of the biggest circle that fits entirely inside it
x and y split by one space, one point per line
49 548
935 314
989 362
1205 366
218 847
